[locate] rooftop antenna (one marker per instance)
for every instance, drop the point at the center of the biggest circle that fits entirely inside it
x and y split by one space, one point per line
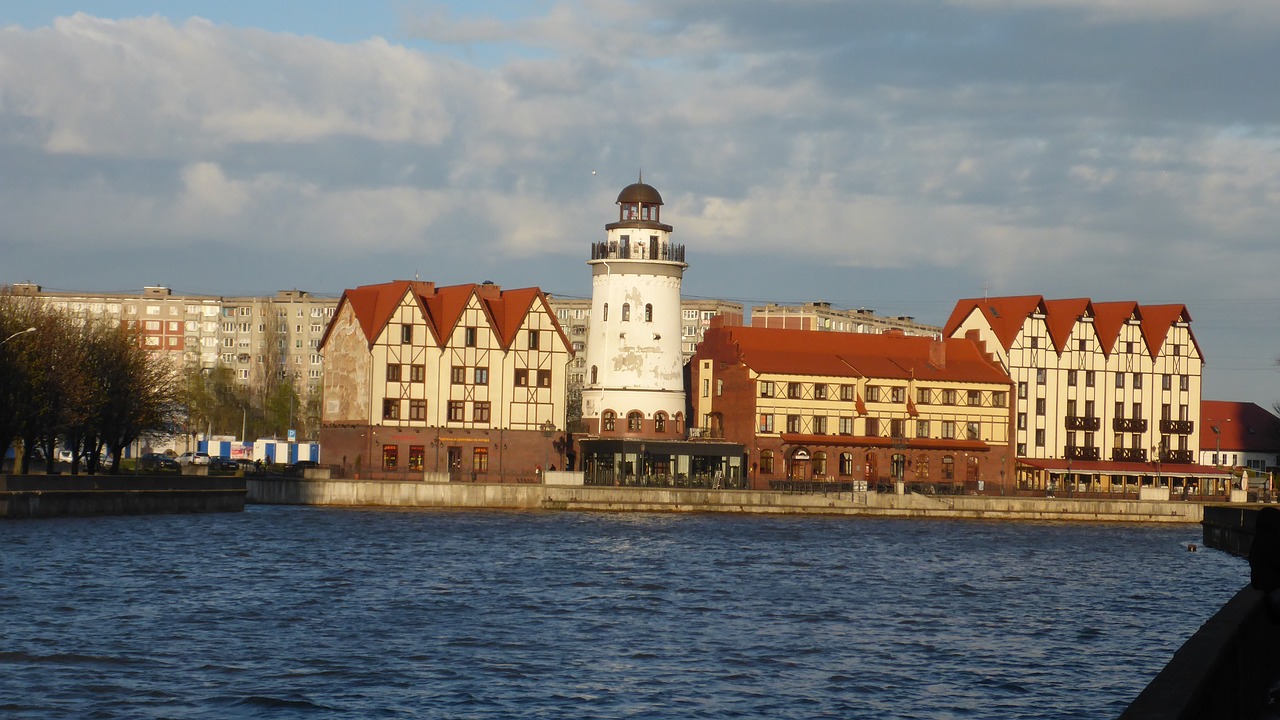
985 286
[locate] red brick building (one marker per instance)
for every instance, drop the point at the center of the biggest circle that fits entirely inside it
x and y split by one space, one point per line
856 410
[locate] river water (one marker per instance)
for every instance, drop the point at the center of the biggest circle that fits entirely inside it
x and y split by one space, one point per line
303 612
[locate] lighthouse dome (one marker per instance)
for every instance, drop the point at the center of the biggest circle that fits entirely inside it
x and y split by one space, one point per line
639 193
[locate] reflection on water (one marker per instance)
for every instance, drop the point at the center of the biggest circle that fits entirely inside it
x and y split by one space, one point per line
321 613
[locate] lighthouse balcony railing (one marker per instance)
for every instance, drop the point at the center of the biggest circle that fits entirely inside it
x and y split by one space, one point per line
623 251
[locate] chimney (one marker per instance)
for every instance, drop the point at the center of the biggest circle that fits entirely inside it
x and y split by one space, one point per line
938 353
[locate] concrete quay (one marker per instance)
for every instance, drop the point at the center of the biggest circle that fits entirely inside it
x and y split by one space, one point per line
419 494
32 496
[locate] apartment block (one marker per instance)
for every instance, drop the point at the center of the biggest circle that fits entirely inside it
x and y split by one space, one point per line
821 316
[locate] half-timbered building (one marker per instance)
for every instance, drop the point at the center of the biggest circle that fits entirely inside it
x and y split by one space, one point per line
467 380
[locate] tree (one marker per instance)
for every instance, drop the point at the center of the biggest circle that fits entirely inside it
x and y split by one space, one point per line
143 394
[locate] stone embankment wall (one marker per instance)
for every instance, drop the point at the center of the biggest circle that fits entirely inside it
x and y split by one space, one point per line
630 499
28 496
1226 669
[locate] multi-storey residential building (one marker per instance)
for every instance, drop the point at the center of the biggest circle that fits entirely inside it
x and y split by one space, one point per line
821 316
1108 394
1239 435
254 336
855 408
467 381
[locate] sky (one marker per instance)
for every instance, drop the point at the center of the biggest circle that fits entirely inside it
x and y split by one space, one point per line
897 156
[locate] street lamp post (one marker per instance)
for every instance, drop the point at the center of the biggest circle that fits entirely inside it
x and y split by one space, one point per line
20 332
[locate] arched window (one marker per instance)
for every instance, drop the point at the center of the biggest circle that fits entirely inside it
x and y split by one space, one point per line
648 312
898 465
971 468
819 464
626 312
846 464
606 312
595 374
922 467
679 423
948 467
606 420
634 418
766 462
870 466
660 422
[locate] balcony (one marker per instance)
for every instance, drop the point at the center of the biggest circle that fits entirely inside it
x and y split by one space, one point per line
1082 422
1177 456
1129 425
1177 427
623 251
1128 455
1076 452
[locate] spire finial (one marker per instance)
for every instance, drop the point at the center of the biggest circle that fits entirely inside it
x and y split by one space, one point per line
641 180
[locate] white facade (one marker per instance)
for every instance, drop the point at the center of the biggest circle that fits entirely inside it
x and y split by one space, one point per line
634 360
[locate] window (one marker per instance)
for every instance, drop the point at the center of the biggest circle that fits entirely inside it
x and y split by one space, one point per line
393 373
1040 376
1022 391
607 420
1184 382
971 469
606 312
390 408
766 388
458 375
417 409
544 378
1035 343
522 377
819 392
948 397
1071 408
390 457
1088 378
898 394
766 462
1039 438
819 425
922 396
1119 411
480 460
595 374
975 398
534 340
922 428
706 387
948 467
1071 378
719 387
648 313
1040 407
897 428
406 334
482 376
457 408
793 423
922 467
417 373
846 425
634 419
973 431
1119 380
1137 411
480 412
626 312
846 392
469 337
873 393
793 390
999 398
660 422
416 455
819 463
1137 381
948 430
873 427
846 464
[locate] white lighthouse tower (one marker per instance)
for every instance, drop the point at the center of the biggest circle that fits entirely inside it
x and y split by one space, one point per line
634 382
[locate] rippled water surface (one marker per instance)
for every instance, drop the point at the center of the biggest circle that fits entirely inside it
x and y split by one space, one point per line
285 612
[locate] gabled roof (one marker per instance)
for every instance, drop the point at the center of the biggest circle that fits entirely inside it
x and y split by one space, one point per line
442 308
1109 318
1005 315
1156 321
853 355
1061 317
1245 427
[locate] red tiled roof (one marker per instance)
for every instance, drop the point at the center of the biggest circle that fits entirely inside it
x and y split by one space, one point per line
1005 315
1108 318
1061 317
375 305
1245 427
808 352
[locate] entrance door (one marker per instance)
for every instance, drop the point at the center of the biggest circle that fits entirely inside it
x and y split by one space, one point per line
798 468
455 464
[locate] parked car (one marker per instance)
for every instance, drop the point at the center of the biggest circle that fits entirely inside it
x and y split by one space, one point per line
193 458
158 463
65 455
249 467
223 465
299 468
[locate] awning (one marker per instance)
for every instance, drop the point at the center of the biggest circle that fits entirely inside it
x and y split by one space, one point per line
1127 469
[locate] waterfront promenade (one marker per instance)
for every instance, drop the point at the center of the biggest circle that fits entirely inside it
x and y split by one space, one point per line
384 493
